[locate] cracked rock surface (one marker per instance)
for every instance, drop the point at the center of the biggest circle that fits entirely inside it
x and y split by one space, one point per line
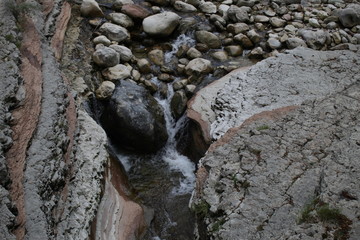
262 176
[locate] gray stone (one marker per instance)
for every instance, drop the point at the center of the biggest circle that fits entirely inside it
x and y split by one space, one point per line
106 57
238 14
178 103
121 19
314 23
261 19
350 17
295 42
117 72
90 8
277 22
238 28
274 43
208 38
198 66
207 7
105 90
243 40
144 65
234 50
157 57
161 24
220 56
134 119
102 40
184 7
114 32
315 39
193 53
256 53
254 36
124 52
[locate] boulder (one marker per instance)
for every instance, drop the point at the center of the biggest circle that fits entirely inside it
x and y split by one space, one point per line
121 19
315 39
244 41
207 7
274 43
114 32
124 52
184 7
178 103
198 66
133 119
117 72
161 24
106 57
101 40
238 14
105 90
90 8
350 17
135 11
208 38
295 42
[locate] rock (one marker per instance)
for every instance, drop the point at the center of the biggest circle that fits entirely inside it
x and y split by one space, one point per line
161 24
157 57
124 52
314 23
135 11
121 19
144 65
350 17
237 28
152 87
160 2
220 56
190 90
256 53
114 32
105 90
274 43
90 8
193 53
198 66
134 120
106 57
179 84
254 36
238 14
261 19
165 77
234 50
314 39
243 40
184 7
247 3
208 38
295 42
117 5
290 28
117 72
102 40
136 75
207 7
178 103
222 8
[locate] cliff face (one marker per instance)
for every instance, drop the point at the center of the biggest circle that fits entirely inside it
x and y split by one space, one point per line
53 154
290 168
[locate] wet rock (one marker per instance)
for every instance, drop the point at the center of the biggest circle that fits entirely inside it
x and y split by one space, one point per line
184 7
190 90
186 24
136 75
144 65
295 42
117 72
208 38
350 17
134 120
105 90
198 66
244 41
121 19
114 32
314 39
254 36
178 103
234 50
160 2
102 40
117 5
314 23
247 3
124 52
157 57
106 57
135 11
162 24
179 84
193 53
238 14
90 8
152 87
261 19
207 7
165 77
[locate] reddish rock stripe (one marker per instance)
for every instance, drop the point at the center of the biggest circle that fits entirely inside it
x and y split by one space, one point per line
268 115
26 117
62 21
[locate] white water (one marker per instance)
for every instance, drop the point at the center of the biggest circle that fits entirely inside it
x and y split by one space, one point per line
180 40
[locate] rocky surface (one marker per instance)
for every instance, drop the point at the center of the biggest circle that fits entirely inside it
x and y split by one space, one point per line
287 173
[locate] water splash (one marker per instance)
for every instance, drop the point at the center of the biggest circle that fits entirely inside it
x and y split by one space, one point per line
180 40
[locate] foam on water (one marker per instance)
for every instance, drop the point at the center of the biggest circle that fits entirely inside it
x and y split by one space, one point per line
181 40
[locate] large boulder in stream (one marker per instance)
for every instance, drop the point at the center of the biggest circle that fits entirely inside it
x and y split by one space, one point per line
162 24
133 119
